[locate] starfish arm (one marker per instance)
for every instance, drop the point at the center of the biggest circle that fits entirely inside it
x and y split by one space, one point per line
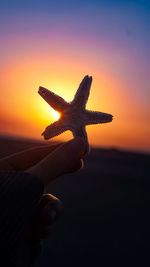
94 117
82 93
54 129
55 101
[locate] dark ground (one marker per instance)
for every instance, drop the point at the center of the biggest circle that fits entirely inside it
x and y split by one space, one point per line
106 220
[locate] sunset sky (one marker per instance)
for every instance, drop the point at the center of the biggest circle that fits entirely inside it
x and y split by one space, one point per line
55 44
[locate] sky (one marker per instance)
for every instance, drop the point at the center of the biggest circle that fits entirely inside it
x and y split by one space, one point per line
55 44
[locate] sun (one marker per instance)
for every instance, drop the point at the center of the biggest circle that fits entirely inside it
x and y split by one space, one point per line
55 114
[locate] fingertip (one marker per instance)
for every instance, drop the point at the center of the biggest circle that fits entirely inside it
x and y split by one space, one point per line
82 147
78 166
76 147
82 164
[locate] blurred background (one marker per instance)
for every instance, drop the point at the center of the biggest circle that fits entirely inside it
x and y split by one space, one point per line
55 44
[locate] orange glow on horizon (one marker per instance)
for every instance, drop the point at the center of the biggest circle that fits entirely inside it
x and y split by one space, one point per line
25 113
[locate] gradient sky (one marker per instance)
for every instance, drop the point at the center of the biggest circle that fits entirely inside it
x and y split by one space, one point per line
56 43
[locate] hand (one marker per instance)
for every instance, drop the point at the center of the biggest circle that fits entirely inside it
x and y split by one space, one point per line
46 163
65 159
48 211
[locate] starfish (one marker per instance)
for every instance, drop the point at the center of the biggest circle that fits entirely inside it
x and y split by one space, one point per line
74 116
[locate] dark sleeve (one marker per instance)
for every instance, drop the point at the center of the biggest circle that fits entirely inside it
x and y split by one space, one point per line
20 193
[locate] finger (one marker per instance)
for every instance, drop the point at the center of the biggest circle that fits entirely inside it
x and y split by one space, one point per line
63 160
26 159
48 211
51 213
79 165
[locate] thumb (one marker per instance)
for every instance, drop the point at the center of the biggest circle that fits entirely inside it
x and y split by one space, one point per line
66 158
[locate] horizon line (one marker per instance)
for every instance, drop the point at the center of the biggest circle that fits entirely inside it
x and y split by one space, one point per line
38 140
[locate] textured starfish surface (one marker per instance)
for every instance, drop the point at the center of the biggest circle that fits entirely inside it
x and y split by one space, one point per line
73 115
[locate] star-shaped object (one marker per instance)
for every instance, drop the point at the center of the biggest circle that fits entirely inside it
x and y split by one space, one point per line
73 115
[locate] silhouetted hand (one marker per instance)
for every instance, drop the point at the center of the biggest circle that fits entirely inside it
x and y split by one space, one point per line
64 159
46 163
